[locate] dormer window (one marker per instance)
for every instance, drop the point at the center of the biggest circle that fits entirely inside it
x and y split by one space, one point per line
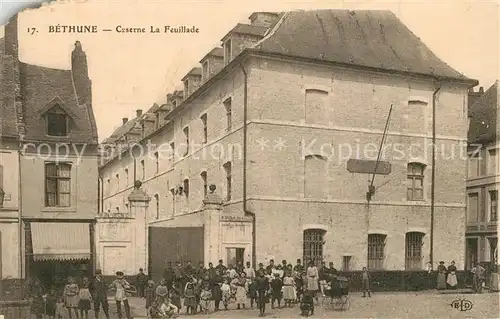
227 52
186 87
205 70
57 122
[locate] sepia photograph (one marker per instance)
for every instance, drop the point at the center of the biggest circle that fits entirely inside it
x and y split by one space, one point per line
237 159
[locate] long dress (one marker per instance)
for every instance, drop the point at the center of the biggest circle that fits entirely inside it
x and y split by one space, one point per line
289 289
189 296
452 277
441 278
241 290
312 278
71 296
226 293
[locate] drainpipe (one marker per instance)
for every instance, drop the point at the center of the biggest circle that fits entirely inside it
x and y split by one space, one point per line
20 214
100 197
433 177
245 137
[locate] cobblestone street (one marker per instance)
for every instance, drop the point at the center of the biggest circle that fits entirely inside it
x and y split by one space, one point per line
387 305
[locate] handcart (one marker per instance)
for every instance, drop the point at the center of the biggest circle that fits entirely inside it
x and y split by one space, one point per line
337 294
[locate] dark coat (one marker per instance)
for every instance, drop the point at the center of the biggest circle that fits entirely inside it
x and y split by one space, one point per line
98 289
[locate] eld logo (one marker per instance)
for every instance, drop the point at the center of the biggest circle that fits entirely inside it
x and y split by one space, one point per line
462 304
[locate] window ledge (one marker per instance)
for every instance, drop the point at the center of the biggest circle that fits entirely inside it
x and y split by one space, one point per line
58 209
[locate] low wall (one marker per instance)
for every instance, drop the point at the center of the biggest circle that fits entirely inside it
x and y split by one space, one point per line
402 280
18 309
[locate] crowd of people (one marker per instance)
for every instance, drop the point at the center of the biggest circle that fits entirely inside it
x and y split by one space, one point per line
214 288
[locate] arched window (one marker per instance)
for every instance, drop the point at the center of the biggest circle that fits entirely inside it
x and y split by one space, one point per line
315 177
415 178
157 202
313 246
186 187
376 251
205 185
413 255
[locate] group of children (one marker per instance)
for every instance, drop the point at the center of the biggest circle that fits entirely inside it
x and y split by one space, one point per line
199 294
74 301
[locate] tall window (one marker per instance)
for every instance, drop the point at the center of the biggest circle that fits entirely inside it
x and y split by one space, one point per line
413 255
205 128
493 206
157 162
186 89
415 120
474 167
415 190
143 170
127 209
492 162
313 246
315 177
376 251
227 52
227 169
157 121
346 263
126 177
316 107
157 202
205 184
108 186
57 122
117 177
186 136
227 107
186 188
473 208
57 184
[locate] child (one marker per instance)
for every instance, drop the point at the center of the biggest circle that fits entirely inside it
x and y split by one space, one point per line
71 297
205 296
226 293
189 298
299 285
85 299
154 310
288 289
175 297
150 293
60 308
50 305
252 292
168 309
276 287
307 304
366 282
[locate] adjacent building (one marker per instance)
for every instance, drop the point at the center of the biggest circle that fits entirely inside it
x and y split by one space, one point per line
483 180
49 159
286 119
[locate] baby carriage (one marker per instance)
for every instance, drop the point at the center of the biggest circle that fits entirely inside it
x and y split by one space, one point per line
307 304
337 293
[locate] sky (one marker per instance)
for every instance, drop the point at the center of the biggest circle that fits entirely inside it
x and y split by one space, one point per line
133 71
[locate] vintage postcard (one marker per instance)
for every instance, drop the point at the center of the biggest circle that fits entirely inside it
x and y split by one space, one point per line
217 159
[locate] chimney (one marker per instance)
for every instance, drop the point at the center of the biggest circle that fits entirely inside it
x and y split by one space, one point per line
124 120
11 38
263 19
80 74
138 113
481 90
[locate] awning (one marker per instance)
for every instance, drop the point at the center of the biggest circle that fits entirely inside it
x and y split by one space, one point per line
60 241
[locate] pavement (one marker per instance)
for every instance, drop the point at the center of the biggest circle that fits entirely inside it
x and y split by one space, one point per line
426 304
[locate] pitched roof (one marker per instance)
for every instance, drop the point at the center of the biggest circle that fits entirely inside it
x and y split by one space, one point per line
249 29
368 38
483 113
196 71
122 130
40 86
216 52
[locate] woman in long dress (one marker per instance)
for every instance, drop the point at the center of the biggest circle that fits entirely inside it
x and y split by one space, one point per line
452 277
241 286
441 277
312 279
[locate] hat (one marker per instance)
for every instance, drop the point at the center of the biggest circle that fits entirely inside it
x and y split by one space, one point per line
98 272
441 262
119 273
261 264
276 275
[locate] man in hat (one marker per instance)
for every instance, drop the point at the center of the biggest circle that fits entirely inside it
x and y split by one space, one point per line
298 267
141 282
99 291
249 271
120 285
